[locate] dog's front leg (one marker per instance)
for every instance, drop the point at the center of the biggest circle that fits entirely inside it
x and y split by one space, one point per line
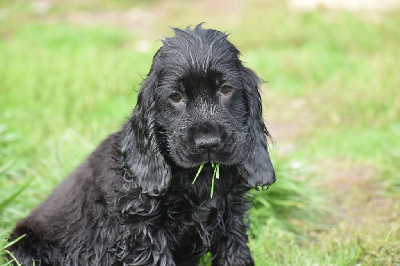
230 246
147 246
232 250
142 237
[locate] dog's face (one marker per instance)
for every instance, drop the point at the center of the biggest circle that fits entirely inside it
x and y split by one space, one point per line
198 105
201 105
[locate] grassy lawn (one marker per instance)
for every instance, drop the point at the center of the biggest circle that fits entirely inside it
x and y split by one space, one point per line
69 74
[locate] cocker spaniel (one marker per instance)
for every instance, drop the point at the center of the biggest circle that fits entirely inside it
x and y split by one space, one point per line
133 200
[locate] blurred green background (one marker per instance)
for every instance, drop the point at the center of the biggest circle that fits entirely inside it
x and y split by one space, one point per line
70 72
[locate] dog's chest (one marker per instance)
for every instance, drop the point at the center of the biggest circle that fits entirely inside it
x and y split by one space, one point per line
190 228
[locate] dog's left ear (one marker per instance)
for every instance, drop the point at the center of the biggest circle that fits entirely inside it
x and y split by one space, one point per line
257 167
142 156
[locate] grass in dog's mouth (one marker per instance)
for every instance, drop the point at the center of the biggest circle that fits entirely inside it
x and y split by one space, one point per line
215 175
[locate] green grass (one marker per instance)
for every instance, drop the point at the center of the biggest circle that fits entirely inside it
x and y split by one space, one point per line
64 87
215 175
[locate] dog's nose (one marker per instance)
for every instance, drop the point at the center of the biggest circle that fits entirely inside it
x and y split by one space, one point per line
208 144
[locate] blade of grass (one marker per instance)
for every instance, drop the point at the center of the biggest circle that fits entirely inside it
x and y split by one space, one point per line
198 172
14 259
212 183
216 173
13 242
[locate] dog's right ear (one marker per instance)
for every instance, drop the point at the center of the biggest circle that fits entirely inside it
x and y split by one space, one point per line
143 160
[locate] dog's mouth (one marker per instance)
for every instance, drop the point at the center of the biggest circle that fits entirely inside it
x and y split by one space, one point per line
206 161
208 166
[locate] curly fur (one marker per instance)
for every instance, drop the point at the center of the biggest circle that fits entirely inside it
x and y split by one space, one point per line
132 201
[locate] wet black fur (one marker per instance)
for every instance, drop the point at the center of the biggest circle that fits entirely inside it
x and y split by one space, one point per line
132 201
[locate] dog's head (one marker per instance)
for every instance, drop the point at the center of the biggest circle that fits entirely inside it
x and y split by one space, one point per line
199 104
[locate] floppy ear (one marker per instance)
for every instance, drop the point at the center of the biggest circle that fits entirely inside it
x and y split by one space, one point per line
142 156
257 167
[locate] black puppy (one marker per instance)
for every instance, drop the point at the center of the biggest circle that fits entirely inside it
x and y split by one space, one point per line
132 201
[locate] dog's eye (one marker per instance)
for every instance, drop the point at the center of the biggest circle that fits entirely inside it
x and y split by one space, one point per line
226 90
176 97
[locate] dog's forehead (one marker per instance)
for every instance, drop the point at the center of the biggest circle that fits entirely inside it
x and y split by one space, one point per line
192 80
197 50
199 79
